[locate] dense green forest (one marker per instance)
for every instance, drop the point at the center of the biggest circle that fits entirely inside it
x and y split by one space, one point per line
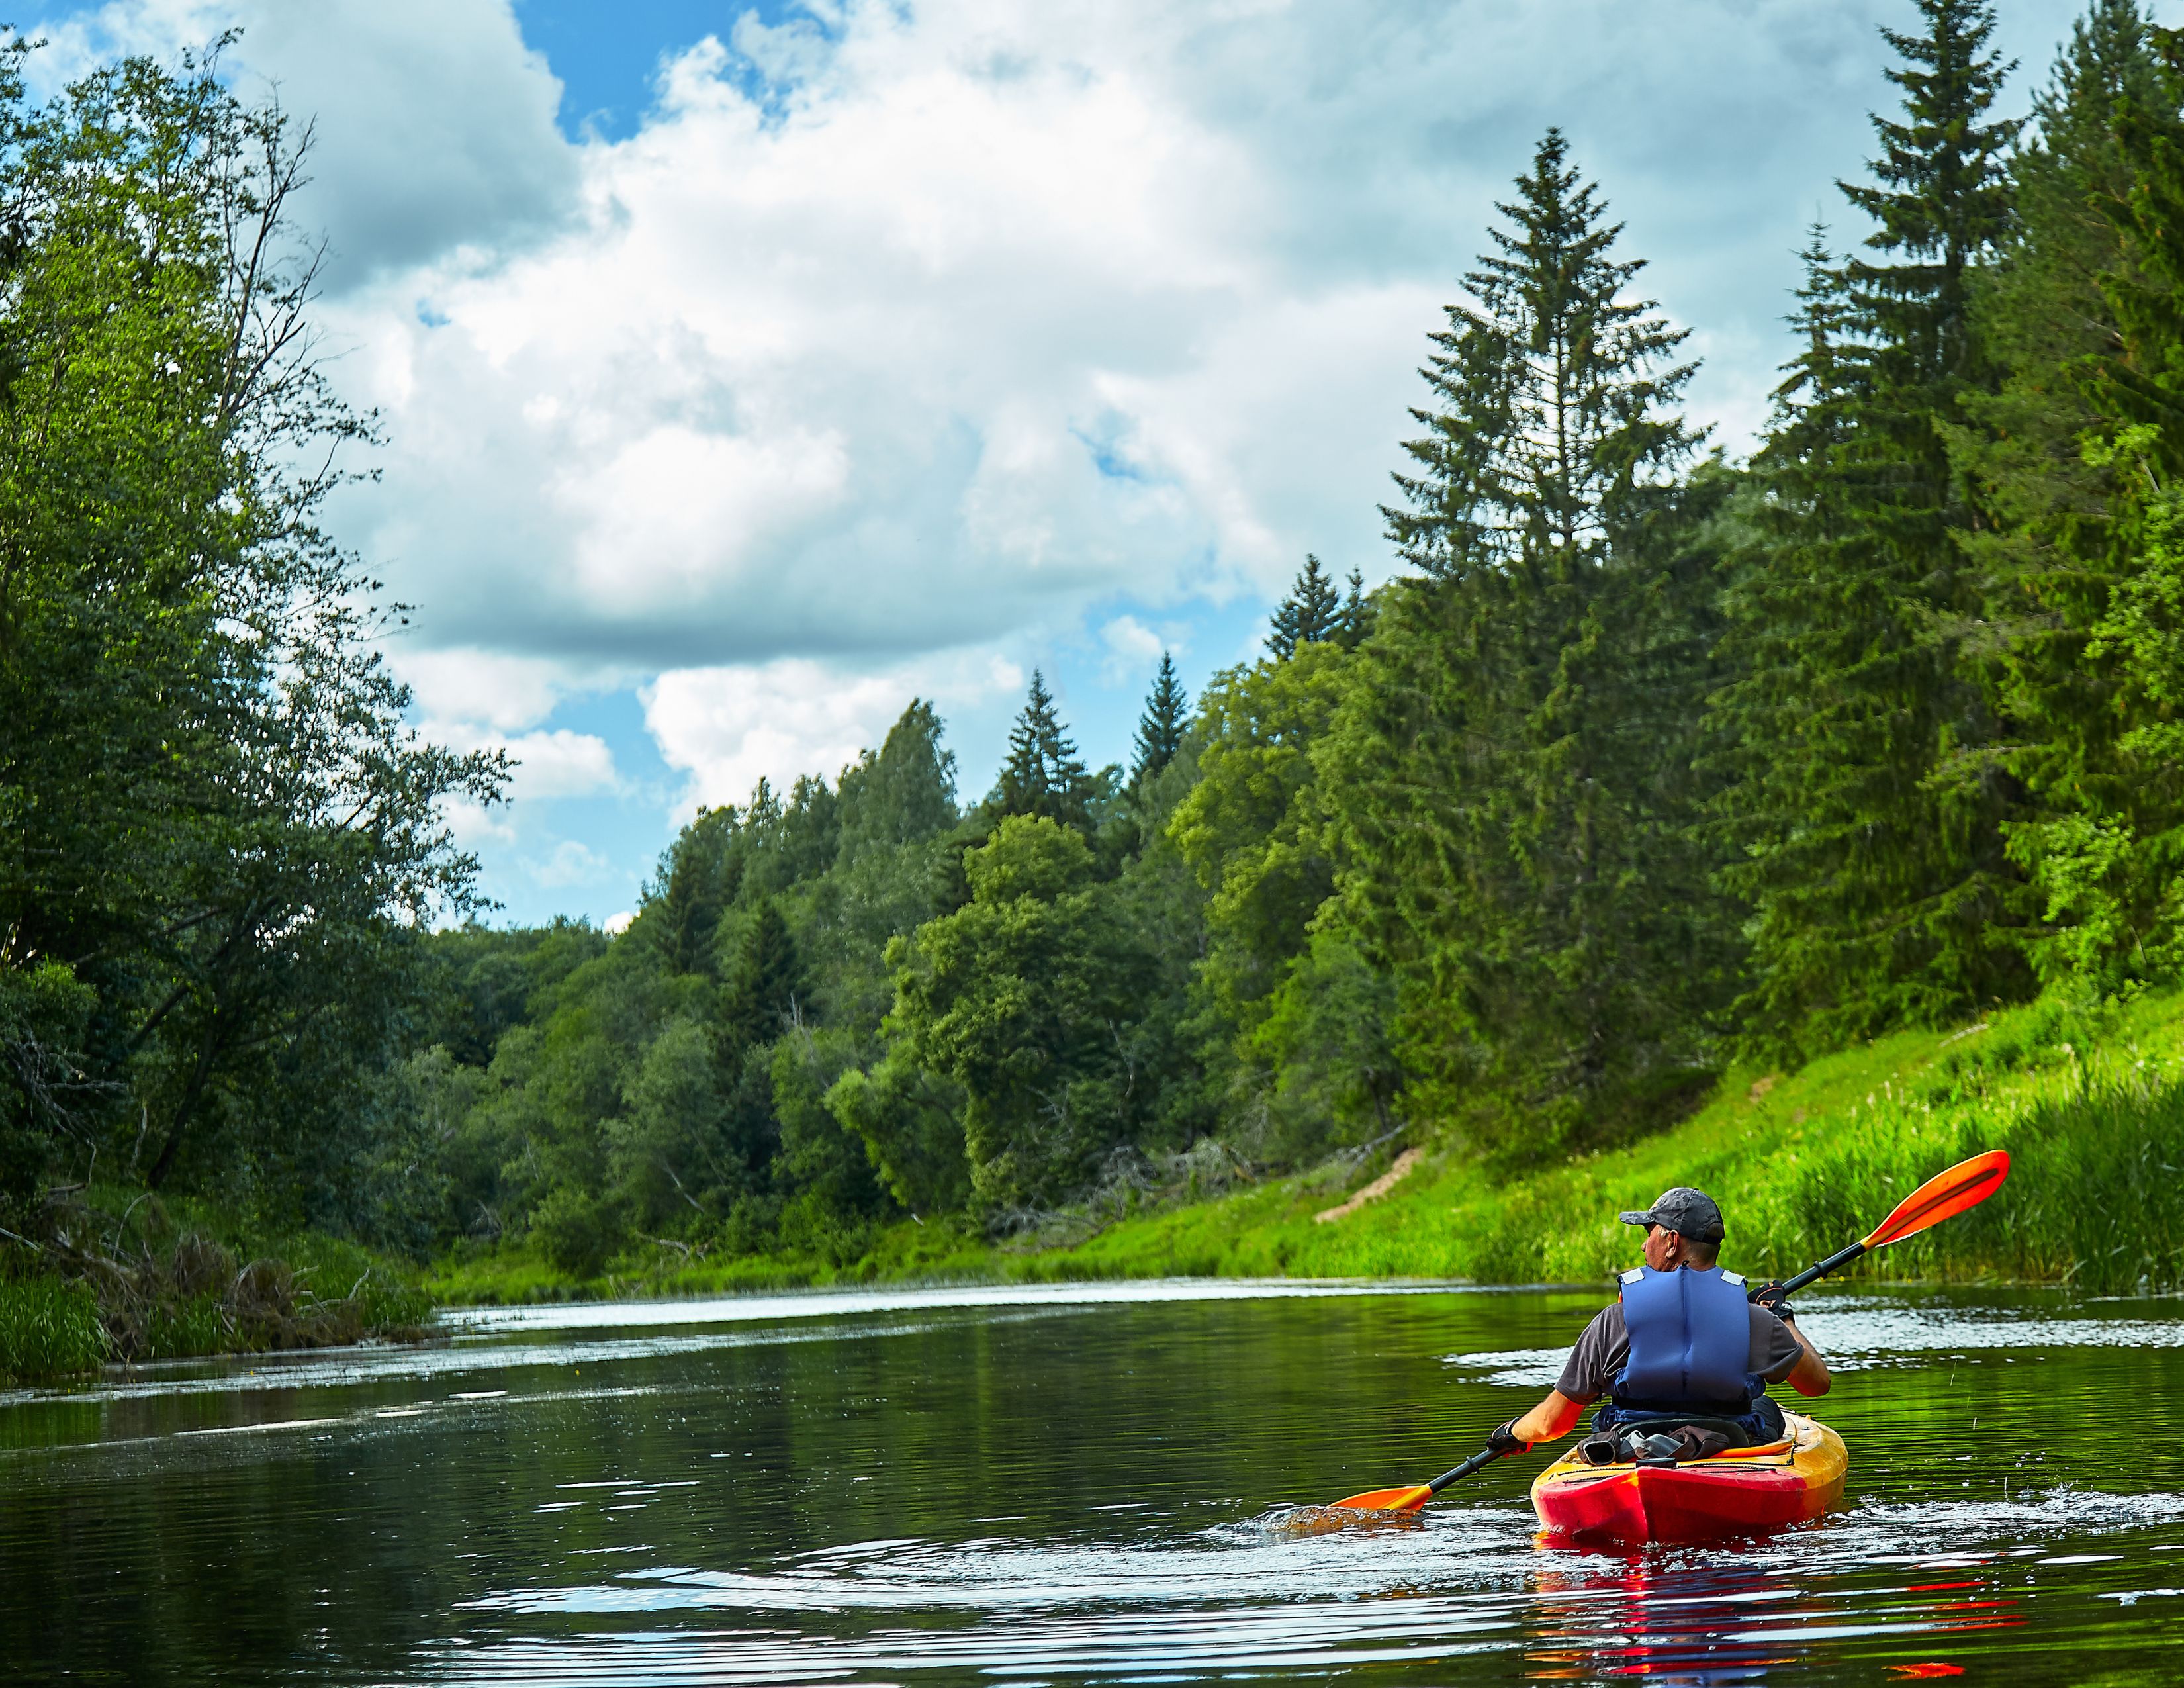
1646 760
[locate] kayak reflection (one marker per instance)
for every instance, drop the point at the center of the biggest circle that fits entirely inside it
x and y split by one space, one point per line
1718 1623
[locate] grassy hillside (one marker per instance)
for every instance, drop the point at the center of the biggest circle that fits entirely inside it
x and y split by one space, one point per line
2089 1101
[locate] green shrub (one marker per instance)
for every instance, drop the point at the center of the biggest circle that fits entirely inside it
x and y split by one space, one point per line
578 1234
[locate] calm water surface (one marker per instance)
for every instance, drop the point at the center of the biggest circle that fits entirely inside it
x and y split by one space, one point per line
1076 1484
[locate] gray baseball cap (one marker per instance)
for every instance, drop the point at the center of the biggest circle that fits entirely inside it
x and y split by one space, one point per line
1688 1213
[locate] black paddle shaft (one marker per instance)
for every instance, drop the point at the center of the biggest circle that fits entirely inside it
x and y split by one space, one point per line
1478 1461
1813 1273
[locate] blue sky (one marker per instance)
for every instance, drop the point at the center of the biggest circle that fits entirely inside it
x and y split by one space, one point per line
746 371
606 55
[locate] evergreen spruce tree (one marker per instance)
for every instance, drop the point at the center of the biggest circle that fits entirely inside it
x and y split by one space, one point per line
1044 775
1870 806
686 905
1310 615
1160 729
1511 767
1784 630
765 989
1942 198
1354 620
2073 457
765 994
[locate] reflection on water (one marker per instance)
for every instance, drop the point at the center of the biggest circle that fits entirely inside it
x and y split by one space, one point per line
1082 1484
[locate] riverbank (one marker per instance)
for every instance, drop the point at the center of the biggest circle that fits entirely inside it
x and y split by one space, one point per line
119 1275
2089 1100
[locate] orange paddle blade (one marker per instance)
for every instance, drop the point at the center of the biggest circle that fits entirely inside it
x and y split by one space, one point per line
1943 1196
1390 1500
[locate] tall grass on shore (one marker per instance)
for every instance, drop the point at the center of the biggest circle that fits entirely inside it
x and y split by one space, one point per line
2095 1196
2088 1098
48 1327
190 1293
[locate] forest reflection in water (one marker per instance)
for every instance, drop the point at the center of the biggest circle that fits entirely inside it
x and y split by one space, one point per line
1080 1484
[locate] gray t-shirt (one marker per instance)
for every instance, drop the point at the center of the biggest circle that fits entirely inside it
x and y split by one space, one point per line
1606 1344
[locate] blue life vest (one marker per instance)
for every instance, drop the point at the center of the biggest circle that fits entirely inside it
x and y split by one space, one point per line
1690 1342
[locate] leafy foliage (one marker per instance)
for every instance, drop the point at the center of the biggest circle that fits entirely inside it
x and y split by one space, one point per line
218 843
2074 456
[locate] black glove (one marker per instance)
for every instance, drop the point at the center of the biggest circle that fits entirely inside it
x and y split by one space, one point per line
1504 1441
1776 1299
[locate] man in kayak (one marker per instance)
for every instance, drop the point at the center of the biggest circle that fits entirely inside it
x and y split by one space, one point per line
1683 1341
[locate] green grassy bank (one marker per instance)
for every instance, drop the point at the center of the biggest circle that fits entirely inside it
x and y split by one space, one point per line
119 1275
2089 1100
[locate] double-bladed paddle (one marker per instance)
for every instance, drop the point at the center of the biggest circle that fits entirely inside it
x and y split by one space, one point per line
1943 1196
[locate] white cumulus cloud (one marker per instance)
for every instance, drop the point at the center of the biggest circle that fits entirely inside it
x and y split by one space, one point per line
433 123
1133 648
897 329
729 727
570 863
560 764
501 690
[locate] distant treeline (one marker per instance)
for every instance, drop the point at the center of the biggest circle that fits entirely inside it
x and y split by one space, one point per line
1644 761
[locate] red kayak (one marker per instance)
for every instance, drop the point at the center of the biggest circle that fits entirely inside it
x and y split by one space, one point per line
1744 1491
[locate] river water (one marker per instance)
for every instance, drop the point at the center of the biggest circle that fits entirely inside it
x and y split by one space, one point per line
1078 1483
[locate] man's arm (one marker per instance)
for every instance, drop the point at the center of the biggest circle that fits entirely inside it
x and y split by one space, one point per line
1810 1375
1555 1417
1805 1372
1599 1351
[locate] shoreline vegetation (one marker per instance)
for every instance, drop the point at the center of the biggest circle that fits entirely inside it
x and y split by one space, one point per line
124 1278
1792 826
2089 1101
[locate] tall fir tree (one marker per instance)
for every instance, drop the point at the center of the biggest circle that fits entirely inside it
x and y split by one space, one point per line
2073 457
1160 729
1870 802
1511 770
1785 587
699 879
766 994
1044 775
1310 615
765 990
1353 623
1940 195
